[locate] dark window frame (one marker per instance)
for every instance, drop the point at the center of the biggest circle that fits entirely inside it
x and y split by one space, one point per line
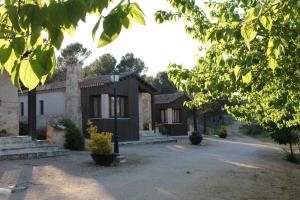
92 107
22 108
165 111
42 107
176 115
123 110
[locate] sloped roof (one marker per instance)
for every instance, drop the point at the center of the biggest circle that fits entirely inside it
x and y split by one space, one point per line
168 98
93 82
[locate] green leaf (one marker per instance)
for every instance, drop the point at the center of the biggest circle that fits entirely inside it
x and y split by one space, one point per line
126 23
5 54
13 16
247 78
56 37
236 71
10 63
18 45
75 10
57 13
27 74
95 28
112 28
136 14
14 76
248 33
272 63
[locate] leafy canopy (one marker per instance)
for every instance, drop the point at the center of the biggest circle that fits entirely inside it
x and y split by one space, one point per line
251 57
31 30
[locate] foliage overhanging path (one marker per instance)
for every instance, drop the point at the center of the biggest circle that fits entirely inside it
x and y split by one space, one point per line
251 58
31 30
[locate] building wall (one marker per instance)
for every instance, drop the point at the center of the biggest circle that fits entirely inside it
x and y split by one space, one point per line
128 128
174 129
54 106
9 106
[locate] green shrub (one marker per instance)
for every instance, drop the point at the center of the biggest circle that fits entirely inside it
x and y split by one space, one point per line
41 133
23 128
146 126
196 138
291 157
100 143
222 132
252 129
74 137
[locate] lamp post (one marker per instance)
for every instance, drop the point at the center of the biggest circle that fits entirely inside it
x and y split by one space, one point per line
115 79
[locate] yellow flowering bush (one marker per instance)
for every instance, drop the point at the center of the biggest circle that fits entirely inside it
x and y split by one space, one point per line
100 143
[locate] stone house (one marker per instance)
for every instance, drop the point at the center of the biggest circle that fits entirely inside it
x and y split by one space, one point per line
9 106
135 104
171 114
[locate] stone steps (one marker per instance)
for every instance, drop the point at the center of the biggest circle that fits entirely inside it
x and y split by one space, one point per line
32 155
22 147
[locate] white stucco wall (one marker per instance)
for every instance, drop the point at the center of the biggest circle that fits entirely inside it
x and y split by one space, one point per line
9 114
54 106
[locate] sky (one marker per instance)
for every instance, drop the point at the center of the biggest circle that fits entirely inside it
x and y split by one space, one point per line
157 45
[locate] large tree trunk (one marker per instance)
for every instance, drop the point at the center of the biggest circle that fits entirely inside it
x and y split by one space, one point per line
291 149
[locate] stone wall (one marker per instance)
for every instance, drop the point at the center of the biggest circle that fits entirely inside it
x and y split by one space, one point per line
9 106
144 110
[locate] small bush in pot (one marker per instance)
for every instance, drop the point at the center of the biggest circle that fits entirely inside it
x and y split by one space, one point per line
100 145
222 132
196 138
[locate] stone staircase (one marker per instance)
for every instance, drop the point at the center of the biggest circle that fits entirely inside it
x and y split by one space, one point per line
21 147
151 137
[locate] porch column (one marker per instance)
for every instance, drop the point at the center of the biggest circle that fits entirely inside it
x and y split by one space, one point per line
169 116
32 114
153 113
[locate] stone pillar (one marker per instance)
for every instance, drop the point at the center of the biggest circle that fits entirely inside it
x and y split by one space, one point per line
104 106
73 94
141 115
9 106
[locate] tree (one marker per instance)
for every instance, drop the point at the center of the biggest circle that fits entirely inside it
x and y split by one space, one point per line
129 63
251 55
31 30
73 53
105 64
162 83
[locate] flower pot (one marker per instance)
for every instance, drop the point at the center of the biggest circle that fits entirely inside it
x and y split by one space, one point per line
195 138
223 136
103 160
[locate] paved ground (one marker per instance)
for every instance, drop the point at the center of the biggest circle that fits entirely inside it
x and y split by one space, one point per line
240 168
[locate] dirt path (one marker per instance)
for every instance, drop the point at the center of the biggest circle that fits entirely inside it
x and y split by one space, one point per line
240 168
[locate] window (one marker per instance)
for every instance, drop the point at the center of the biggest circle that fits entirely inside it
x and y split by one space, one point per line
41 107
163 116
121 106
96 106
176 116
22 108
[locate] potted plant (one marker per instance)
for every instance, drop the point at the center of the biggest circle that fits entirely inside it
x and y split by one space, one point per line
100 145
222 132
196 138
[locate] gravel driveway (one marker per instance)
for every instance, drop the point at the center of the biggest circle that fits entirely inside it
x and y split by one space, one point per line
237 168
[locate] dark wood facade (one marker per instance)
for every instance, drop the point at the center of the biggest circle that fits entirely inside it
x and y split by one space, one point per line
128 87
176 102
